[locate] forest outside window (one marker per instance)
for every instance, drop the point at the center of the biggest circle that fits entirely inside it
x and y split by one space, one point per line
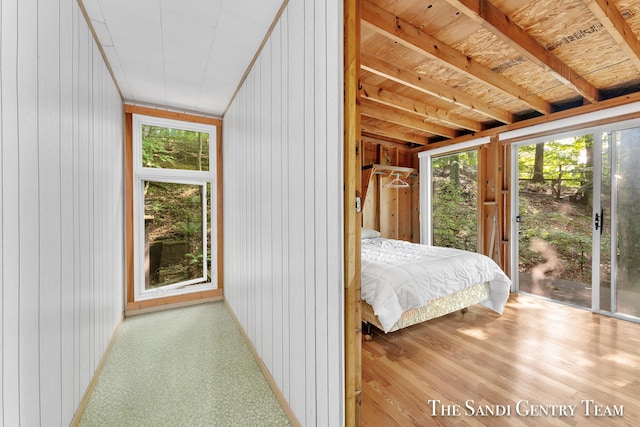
174 186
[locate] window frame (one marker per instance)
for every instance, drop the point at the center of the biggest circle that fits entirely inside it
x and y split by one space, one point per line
143 174
167 299
425 157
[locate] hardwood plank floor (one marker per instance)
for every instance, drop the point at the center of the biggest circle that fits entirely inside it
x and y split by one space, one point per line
487 369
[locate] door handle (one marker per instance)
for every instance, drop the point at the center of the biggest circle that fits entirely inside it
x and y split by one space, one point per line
599 220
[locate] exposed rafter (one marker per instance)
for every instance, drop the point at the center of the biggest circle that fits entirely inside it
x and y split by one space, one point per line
402 118
491 18
402 32
386 97
611 18
394 134
419 82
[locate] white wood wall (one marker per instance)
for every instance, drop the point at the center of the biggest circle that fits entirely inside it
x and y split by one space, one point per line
283 168
61 218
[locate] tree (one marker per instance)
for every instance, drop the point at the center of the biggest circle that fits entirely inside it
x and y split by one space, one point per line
538 166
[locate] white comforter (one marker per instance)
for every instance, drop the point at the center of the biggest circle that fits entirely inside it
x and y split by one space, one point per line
398 276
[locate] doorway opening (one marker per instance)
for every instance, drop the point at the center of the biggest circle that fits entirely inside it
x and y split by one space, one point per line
575 218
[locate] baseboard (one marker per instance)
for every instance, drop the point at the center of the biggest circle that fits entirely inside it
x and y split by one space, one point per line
274 387
134 312
94 379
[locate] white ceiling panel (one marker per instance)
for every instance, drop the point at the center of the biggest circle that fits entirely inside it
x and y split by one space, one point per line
200 11
181 54
144 10
183 31
251 11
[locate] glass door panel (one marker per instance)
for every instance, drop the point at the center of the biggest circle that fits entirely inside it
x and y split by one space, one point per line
626 202
555 188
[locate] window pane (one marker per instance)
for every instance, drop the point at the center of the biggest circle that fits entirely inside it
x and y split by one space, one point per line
628 231
174 148
173 234
455 200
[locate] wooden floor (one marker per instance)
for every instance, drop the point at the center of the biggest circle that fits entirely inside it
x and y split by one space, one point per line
538 356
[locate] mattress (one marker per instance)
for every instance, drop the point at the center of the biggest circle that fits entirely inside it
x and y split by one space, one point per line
399 276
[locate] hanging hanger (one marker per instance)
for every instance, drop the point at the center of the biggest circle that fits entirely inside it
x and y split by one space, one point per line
397 182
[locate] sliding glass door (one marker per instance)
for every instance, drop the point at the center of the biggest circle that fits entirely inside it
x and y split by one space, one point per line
555 202
620 224
575 219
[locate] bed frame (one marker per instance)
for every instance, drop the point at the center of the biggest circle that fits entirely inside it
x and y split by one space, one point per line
448 304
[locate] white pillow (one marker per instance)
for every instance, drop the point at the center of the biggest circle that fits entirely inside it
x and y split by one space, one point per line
368 233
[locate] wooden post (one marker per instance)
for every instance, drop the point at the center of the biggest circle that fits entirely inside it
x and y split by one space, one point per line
489 195
352 218
504 152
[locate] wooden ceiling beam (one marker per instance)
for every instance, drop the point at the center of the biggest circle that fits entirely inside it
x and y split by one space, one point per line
391 99
402 32
491 18
609 15
394 134
402 118
417 81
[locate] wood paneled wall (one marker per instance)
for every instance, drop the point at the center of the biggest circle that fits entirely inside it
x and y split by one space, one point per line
61 215
394 212
282 202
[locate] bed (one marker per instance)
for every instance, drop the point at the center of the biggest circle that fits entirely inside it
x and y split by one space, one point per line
405 283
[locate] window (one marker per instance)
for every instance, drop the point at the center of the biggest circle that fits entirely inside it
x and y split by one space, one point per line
174 223
449 199
454 200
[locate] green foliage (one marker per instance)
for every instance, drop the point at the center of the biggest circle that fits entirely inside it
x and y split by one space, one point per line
155 154
455 222
188 228
558 210
567 167
174 148
454 201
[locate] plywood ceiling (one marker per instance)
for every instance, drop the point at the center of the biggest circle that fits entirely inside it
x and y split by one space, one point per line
181 54
435 70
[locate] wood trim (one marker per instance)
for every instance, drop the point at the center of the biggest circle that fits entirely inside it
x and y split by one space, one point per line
130 304
352 219
77 417
366 178
128 208
588 108
96 40
505 206
489 198
265 371
266 38
174 115
133 306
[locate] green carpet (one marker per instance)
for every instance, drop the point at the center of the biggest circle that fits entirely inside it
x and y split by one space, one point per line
187 366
